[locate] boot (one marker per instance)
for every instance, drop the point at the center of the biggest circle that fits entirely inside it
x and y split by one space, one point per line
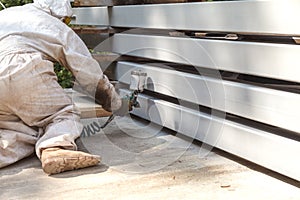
57 160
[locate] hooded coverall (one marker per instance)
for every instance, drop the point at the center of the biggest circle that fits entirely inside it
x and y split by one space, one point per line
35 112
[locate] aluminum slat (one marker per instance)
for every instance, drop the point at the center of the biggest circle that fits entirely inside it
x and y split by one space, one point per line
274 107
90 16
278 17
278 61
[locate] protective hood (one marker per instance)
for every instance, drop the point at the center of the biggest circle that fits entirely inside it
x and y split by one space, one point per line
57 8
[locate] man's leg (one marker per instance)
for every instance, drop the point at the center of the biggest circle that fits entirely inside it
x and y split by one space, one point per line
58 144
17 140
45 104
15 146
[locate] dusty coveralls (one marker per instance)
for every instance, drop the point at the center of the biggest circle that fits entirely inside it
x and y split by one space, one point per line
35 112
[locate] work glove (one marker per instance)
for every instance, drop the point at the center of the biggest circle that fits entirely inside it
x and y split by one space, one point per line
107 96
125 107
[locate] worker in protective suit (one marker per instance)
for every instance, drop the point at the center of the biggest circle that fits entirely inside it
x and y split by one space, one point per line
35 112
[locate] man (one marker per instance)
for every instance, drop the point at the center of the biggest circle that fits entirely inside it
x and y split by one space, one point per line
35 112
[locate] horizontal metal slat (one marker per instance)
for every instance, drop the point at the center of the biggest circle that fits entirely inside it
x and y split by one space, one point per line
257 17
90 16
277 108
258 146
277 61
251 17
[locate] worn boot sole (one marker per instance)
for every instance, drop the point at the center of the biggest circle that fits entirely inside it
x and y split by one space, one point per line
58 164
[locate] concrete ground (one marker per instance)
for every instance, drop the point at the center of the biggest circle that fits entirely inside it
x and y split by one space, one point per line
143 161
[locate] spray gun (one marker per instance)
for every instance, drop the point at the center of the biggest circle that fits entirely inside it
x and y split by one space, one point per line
137 85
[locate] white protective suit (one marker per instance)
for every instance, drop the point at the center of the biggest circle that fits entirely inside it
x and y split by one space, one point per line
35 112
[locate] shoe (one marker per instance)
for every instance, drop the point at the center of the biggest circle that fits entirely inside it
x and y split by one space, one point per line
57 160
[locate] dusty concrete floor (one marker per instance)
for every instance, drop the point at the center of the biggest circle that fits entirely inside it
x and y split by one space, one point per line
141 161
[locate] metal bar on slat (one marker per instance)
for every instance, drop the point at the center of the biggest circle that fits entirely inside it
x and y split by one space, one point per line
92 30
258 146
277 61
122 2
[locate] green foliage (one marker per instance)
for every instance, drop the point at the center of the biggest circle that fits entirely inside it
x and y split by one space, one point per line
10 3
65 77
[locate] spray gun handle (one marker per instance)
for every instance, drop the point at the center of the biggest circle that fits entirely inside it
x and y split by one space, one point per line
137 84
133 102
130 101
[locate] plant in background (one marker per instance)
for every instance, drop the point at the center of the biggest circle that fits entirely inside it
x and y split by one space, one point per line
65 77
10 3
